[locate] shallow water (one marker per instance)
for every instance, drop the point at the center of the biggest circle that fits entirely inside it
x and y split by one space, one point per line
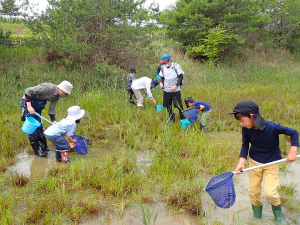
239 213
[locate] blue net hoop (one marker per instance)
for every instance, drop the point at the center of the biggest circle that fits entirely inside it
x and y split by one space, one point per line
221 190
191 114
81 144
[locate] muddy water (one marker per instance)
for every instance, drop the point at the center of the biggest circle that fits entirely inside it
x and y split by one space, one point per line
30 165
239 213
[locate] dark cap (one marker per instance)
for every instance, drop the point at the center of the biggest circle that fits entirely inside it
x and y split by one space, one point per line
154 83
187 100
250 107
132 70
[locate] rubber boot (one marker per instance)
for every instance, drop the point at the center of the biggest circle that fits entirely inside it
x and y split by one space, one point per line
64 156
203 128
34 142
277 213
257 211
57 156
43 142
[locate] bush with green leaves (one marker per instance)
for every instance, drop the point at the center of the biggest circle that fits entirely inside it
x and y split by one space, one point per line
252 23
4 37
92 32
211 46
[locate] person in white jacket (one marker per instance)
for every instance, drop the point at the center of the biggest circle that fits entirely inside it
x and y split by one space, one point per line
144 83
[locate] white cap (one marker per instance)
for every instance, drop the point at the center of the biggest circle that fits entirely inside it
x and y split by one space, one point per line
74 113
65 86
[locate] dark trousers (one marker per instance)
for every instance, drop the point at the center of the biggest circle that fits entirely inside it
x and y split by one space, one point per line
131 95
175 98
38 106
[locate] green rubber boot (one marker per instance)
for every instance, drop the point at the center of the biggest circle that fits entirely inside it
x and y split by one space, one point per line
277 213
257 211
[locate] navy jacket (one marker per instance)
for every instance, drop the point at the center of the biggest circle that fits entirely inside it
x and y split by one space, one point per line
265 143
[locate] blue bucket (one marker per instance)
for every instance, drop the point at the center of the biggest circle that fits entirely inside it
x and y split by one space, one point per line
159 108
185 124
30 125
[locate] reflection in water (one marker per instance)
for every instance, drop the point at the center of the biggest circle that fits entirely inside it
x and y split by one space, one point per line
239 213
31 165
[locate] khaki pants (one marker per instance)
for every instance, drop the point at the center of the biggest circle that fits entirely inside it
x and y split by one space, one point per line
270 174
139 97
203 117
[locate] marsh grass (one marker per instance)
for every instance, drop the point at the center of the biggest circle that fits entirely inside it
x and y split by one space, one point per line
181 160
148 213
19 180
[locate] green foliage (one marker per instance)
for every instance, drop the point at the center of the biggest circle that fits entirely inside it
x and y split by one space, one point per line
9 8
253 23
211 45
4 36
284 26
92 32
190 21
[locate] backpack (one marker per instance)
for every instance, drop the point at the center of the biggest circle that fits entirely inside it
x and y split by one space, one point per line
173 67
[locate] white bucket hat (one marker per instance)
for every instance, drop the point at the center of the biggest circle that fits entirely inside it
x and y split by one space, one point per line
65 86
74 113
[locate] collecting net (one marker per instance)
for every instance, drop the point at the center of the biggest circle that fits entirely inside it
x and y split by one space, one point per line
81 144
221 190
191 114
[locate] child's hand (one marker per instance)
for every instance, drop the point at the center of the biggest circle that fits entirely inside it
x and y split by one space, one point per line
240 166
292 155
72 145
201 108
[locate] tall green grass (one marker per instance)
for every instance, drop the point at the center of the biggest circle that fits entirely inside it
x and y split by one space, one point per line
181 160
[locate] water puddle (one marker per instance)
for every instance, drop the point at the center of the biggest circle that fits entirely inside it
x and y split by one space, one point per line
134 216
239 213
30 165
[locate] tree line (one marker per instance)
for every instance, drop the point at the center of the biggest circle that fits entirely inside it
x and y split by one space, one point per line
114 31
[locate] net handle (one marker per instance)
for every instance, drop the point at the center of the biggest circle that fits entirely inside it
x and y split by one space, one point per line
265 164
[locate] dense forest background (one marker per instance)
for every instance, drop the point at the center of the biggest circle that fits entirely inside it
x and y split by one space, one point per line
102 33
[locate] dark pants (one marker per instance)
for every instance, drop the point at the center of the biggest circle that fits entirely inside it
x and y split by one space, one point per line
131 95
38 106
175 98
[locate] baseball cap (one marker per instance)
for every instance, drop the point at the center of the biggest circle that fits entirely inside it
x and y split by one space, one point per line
154 82
165 58
250 107
132 70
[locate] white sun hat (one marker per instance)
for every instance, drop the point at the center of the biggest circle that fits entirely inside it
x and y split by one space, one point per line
65 86
74 113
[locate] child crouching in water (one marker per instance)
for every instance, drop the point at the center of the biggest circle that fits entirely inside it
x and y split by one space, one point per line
61 133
